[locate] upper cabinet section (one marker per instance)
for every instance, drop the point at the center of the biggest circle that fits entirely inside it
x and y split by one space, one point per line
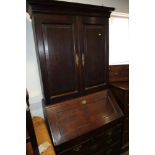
72 46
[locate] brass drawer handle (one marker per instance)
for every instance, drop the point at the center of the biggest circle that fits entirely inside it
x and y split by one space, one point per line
77 148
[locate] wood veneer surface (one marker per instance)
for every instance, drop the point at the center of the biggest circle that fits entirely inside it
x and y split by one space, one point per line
124 85
76 117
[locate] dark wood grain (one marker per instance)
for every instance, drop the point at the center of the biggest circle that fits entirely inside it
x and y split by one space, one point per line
74 118
94 46
56 36
124 85
119 77
72 44
61 67
119 73
72 51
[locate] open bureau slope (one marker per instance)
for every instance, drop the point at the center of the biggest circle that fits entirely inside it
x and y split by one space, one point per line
72 44
81 125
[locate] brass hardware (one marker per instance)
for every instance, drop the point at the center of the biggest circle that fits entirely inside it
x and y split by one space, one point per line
83 59
84 102
77 59
77 148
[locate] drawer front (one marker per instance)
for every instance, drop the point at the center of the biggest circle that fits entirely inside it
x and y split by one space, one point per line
81 149
111 150
106 139
114 130
99 142
103 144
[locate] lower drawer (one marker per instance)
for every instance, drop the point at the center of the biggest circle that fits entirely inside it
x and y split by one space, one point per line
98 148
84 148
111 150
98 142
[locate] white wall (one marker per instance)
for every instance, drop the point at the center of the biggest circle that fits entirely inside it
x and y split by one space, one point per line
118 55
119 5
119 40
32 74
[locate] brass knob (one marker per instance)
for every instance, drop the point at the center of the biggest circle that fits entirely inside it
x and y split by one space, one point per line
84 102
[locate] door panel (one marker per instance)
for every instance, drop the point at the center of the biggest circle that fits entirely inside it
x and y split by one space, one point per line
95 53
59 43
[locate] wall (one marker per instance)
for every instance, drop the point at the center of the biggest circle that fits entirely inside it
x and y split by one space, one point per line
32 74
116 56
119 5
118 40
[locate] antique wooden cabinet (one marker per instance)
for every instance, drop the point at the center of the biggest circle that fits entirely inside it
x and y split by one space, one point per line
72 43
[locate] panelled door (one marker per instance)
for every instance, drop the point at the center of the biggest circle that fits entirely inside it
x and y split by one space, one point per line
57 47
73 53
94 49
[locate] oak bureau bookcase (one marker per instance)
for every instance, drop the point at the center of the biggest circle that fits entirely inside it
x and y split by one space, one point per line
72 44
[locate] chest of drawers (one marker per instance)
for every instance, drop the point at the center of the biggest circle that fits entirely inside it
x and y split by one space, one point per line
121 92
88 125
119 79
